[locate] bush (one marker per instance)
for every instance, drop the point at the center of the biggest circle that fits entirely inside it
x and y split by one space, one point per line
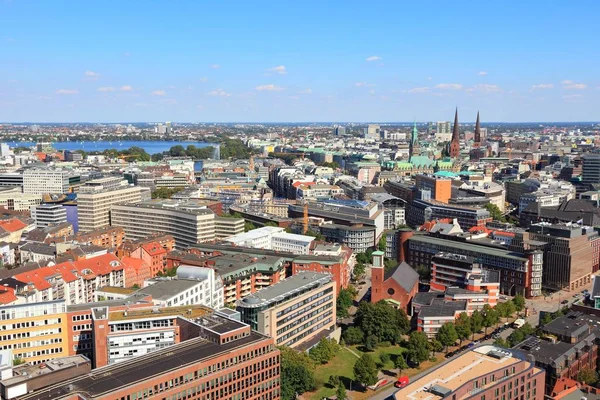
385 358
353 335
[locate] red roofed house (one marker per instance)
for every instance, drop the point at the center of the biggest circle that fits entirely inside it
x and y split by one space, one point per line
12 229
136 271
154 255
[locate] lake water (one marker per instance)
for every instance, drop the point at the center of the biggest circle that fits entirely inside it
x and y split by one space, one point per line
151 147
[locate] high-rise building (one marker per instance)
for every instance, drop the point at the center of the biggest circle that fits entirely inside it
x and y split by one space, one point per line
48 214
443 133
372 132
45 180
455 142
591 168
339 131
97 196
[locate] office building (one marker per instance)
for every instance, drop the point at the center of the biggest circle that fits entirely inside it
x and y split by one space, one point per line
358 237
204 289
339 131
35 332
41 181
188 222
433 187
293 311
97 196
220 358
226 227
48 214
13 198
273 238
421 211
372 132
443 132
11 179
520 272
483 372
591 168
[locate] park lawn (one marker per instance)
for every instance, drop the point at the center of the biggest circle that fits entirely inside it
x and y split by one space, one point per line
341 365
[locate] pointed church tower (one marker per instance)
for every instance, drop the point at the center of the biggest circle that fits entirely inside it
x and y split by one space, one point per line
413 146
477 138
455 143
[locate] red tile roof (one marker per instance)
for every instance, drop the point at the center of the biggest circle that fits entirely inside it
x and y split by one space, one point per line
154 248
7 295
12 225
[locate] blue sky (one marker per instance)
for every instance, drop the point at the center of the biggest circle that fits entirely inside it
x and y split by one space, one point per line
63 61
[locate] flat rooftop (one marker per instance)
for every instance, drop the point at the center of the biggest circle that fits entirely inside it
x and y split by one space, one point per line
198 207
164 290
103 381
254 234
116 290
285 289
451 375
189 312
26 372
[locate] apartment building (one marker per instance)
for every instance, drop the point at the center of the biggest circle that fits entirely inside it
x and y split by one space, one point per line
35 332
48 214
110 237
95 198
319 191
42 180
13 198
187 222
204 289
293 311
483 372
217 357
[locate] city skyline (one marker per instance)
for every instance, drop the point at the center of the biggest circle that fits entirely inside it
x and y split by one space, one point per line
69 62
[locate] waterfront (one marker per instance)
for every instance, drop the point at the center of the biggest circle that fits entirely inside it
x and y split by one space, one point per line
151 146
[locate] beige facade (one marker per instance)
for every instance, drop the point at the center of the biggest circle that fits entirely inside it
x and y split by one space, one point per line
225 227
93 205
13 198
188 224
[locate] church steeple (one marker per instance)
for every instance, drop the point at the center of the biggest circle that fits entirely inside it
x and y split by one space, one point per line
413 145
477 138
455 143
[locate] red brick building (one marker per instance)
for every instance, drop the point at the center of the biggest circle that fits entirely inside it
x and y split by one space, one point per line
398 285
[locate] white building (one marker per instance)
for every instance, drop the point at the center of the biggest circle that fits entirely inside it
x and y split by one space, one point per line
41 181
443 132
372 132
13 198
202 290
314 192
273 238
48 214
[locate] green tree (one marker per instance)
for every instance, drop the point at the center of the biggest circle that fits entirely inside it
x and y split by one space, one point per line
334 381
476 322
371 342
495 212
344 301
353 335
546 318
359 270
447 335
297 374
510 308
418 347
319 237
382 320
365 370
589 376
248 226
463 327
382 243
165 193
424 273
324 351
515 337
384 358
400 363
341 392
519 302
18 361
490 317
501 342
177 151
362 258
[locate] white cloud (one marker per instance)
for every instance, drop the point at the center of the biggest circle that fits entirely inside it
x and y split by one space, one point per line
306 91
268 88
204 79
106 89
373 58
572 96
363 84
280 69
567 82
215 66
482 73
169 101
576 86
219 92
126 88
372 92
419 90
484 87
429 78
449 86
158 93
67 91
542 86
200 107
91 75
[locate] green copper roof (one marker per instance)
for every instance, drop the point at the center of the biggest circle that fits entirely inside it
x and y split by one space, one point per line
421 161
445 174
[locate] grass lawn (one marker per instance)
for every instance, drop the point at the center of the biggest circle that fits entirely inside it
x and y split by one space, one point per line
342 365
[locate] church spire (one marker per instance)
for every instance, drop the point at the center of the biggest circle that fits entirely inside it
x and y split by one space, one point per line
413 145
455 143
477 138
